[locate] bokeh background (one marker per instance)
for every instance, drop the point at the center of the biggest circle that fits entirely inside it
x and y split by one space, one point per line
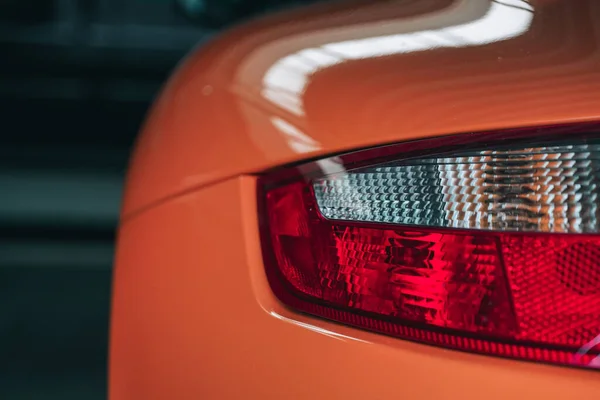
76 79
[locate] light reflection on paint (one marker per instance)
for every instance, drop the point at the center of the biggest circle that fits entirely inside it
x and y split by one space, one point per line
313 328
285 81
295 138
585 349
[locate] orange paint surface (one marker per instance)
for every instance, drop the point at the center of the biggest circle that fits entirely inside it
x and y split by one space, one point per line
341 77
193 316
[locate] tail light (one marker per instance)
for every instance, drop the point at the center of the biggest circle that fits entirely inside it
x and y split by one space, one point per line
487 243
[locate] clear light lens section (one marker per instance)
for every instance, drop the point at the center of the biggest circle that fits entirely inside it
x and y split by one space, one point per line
536 189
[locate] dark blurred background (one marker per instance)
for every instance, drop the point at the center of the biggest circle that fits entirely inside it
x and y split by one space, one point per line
76 79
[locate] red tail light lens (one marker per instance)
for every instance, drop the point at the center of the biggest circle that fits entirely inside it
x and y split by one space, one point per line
371 240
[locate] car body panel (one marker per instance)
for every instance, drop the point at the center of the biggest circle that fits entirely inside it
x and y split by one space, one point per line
341 77
194 317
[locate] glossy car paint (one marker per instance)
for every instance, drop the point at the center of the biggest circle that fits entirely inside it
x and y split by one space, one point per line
193 316
393 71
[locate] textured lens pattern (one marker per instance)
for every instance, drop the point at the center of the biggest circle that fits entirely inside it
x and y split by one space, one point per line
541 189
443 279
555 285
530 296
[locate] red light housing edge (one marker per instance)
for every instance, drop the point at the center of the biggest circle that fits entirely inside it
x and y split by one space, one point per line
526 295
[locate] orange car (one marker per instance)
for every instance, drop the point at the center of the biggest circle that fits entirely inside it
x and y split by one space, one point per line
369 200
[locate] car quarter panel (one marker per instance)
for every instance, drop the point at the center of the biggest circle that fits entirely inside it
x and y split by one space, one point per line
360 73
193 317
